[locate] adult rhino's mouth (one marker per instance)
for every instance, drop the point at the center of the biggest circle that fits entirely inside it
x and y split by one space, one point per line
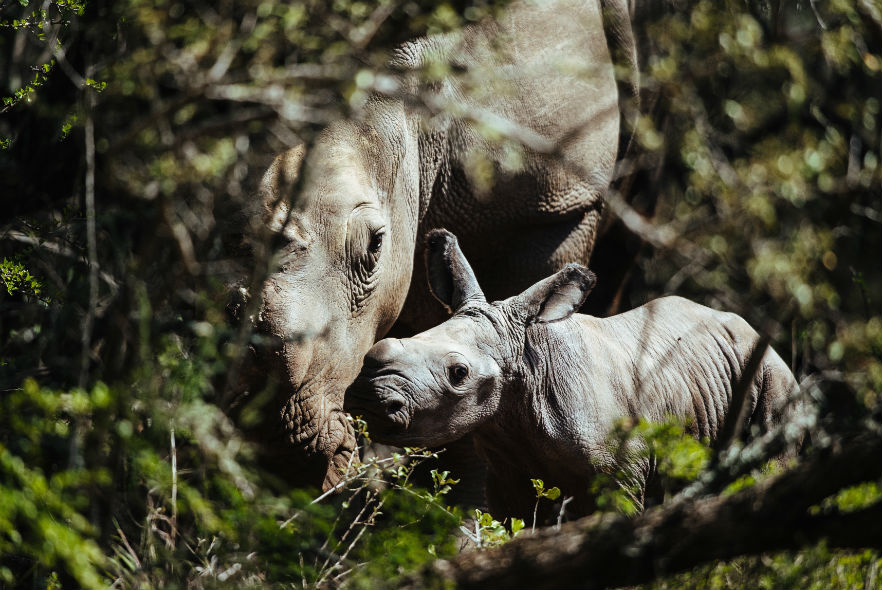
318 429
304 437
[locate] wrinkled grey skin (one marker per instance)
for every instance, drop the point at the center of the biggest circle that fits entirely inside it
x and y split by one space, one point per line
370 187
541 388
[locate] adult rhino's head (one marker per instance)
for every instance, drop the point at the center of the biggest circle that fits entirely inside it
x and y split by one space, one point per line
447 381
342 219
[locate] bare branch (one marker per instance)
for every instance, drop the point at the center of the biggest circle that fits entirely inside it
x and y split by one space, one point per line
59 250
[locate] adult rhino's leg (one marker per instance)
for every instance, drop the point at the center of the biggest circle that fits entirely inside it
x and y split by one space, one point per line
615 259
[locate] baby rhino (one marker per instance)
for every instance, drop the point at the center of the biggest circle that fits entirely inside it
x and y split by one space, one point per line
541 387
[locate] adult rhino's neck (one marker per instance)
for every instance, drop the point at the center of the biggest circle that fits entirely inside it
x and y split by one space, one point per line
409 62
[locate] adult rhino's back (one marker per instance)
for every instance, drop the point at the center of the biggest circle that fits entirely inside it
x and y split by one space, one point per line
674 357
542 75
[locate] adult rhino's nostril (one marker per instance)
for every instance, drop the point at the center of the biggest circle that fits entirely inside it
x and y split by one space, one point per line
236 307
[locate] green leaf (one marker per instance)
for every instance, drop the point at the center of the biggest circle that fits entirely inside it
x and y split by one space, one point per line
552 493
517 525
539 486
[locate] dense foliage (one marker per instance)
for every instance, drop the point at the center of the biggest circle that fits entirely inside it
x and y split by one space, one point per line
132 132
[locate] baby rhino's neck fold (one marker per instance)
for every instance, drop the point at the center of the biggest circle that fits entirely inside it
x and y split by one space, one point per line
535 422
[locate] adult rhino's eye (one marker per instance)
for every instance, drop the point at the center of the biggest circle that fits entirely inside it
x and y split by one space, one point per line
457 373
364 250
376 242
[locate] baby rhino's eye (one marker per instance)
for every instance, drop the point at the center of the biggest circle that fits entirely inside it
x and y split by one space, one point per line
457 373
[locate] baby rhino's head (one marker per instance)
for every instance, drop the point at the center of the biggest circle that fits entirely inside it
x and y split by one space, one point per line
445 382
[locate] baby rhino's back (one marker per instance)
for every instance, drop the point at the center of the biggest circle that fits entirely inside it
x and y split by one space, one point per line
675 357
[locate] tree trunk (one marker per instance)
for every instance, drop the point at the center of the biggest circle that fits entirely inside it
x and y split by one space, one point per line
611 550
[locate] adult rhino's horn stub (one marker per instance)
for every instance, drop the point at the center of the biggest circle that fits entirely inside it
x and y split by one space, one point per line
451 278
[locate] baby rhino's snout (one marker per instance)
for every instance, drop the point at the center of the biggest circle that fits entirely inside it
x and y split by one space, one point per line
383 353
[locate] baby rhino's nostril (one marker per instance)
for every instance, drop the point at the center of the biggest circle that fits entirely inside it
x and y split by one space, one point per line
394 406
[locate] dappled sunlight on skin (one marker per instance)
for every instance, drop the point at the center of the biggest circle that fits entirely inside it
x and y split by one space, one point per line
370 187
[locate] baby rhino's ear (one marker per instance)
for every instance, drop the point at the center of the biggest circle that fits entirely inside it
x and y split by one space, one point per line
450 276
557 297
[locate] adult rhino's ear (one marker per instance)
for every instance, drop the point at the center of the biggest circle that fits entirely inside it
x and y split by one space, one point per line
451 278
557 297
276 185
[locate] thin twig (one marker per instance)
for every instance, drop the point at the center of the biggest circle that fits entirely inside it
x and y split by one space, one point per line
820 20
334 489
535 510
125 541
342 558
563 507
59 250
736 416
91 239
325 545
362 36
174 492
478 534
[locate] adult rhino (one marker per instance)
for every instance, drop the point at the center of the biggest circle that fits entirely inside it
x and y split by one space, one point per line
541 387
369 188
